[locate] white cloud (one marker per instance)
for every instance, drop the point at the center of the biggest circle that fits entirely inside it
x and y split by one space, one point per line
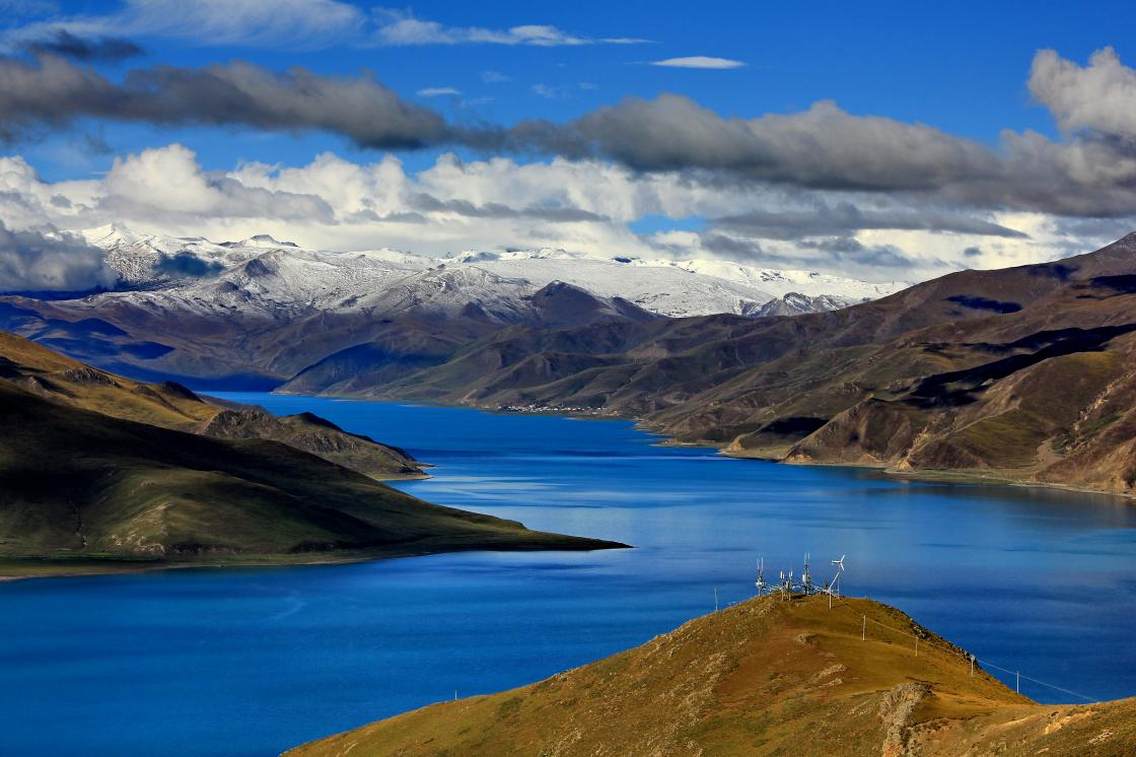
47 260
303 23
494 77
438 91
401 28
548 91
699 61
582 206
168 183
1100 97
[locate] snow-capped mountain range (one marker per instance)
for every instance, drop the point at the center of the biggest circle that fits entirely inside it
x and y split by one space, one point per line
261 274
259 312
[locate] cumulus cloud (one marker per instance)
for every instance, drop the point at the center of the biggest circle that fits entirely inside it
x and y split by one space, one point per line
585 206
699 61
1100 97
169 181
823 148
42 261
1092 172
54 91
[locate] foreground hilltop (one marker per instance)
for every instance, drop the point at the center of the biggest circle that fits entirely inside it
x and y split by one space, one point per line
764 677
100 473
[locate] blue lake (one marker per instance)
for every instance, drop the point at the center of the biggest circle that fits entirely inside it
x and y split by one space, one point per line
253 661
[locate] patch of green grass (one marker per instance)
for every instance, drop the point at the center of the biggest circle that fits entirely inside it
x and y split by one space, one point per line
1008 440
508 708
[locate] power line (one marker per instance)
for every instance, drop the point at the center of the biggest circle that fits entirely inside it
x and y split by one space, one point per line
985 663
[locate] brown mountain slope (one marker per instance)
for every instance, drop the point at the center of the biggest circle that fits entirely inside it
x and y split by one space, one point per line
54 377
418 323
1024 373
764 677
92 490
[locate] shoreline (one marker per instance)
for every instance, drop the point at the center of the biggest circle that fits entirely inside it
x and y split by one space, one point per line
665 439
18 569
965 476
125 566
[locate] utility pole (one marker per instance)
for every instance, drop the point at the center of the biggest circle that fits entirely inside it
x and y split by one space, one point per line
1018 682
715 599
971 665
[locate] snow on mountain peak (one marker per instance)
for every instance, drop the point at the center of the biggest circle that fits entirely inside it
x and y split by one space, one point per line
265 240
108 235
264 274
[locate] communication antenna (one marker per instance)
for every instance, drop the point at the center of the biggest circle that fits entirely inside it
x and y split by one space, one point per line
788 584
760 583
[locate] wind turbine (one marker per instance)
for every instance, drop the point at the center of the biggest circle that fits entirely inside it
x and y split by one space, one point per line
833 587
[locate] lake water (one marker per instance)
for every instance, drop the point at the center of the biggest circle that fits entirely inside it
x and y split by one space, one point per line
252 661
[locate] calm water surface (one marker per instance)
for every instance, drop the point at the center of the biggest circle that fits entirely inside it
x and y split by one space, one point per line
253 661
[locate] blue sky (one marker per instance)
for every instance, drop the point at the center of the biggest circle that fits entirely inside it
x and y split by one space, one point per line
959 66
883 140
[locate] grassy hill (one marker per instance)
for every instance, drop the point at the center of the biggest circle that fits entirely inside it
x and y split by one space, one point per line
764 677
85 486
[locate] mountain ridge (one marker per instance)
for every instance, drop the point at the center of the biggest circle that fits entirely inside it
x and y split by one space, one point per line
1020 374
258 312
